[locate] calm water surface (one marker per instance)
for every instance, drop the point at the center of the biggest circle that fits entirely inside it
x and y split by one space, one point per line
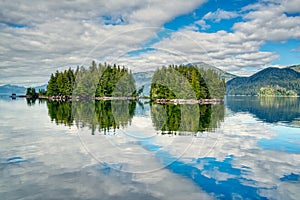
248 148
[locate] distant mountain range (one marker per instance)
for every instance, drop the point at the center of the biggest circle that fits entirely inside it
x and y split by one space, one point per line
8 89
287 78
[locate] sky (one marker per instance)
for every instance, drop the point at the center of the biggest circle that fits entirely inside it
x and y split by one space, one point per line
238 36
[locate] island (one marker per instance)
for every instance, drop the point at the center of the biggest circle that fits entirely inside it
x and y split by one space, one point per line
97 82
187 85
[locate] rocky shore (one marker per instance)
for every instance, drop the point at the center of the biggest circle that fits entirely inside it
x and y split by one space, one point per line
78 98
189 101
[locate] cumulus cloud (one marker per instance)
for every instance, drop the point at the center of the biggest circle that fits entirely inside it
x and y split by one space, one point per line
269 23
39 38
44 36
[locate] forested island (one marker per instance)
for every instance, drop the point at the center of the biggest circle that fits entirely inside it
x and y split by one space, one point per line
96 82
186 84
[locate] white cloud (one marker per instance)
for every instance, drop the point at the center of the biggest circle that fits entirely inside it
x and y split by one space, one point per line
203 24
53 35
269 23
220 14
42 36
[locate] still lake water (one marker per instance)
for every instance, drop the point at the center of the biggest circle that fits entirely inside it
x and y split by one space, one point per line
248 148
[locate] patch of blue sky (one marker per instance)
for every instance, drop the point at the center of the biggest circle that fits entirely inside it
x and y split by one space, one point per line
139 51
292 14
287 140
109 20
210 6
14 25
291 177
289 51
224 24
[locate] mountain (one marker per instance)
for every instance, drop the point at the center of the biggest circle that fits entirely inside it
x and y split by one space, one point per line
287 78
227 76
8 89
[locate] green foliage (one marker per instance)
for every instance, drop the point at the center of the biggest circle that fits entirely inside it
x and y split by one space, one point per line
186 82
61 83
103 80
30 92
276 91
115 82
42 92
216 85
60 112
285 78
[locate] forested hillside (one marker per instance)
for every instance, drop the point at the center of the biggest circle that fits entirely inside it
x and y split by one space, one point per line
286 78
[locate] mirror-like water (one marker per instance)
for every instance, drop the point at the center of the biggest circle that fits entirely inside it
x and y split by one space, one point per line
248 148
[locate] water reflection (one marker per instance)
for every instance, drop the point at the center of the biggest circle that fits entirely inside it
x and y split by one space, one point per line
106 116
236 161
97 115
268 109
177 119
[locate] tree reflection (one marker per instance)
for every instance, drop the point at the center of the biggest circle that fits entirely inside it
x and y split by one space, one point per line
108 116
180 119
103 116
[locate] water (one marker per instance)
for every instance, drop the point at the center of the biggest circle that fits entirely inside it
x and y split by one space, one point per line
248 148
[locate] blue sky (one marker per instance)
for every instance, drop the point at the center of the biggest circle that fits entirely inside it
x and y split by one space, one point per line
241 37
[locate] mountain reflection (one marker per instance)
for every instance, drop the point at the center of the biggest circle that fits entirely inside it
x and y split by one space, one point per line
108 116
268 109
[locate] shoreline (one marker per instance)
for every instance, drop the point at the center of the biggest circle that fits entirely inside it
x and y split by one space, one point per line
188 101
160 101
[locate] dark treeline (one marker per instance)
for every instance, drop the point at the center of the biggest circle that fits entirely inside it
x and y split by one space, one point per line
170 118
102 80
186 82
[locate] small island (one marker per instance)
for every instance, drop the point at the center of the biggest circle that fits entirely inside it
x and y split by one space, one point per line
187 85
